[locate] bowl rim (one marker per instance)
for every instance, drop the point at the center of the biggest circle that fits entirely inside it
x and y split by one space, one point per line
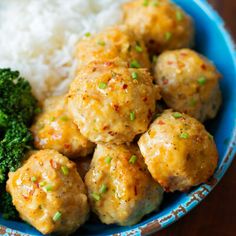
198 195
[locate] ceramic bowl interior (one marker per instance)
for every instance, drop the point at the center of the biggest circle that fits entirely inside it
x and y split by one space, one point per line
214 42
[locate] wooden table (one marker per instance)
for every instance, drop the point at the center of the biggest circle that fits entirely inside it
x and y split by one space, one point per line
216 215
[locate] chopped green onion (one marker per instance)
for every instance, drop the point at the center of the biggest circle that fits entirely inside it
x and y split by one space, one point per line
43 183
48 188
192 102
64 170
57 216
135 64
33 179
155 3
87 34
133 159
202 80
132 116
134 75
96 196
145 3
154 59
179 16
108 160
168 36
101 43
210 136
53 119
37 110
64 118
177 115
103 188
138 48
184 136
102 85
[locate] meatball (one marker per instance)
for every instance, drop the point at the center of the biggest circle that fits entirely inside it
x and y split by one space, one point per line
48 193
54 129
115 42
189 83
178 151
112 103
120 188
161 24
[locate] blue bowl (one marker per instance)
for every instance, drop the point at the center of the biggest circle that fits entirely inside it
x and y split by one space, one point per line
214 42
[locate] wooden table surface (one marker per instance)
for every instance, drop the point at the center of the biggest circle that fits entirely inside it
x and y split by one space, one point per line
216 215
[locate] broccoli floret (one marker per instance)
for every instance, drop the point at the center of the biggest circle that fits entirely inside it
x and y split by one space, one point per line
17 108
16 98
17 140
9 211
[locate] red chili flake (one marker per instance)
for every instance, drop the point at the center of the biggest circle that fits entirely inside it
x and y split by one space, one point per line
145 99
125 86
108 63
105 127
53 164
170 62
116 107
112 133
183 54
165 81
26 198
67 145
203 66
160 122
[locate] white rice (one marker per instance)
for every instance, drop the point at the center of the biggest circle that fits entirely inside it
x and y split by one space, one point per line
37 37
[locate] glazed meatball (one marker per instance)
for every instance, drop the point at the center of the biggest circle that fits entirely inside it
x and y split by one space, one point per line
189 83
48 193
111 103
54 129
120 188
161 24
178 151
115 42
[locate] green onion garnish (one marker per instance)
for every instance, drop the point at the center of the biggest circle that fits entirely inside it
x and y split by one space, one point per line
64 170
87 34
138 48
43 183
33 179
57 216
202 80
103 189
135 64
145 3
168 36
108 160
96 196
134 75
177 115
179 16
184 136
37 110
154 59
102 85
48 188
155 3
64 118
132 116
192 102
133 159
101 43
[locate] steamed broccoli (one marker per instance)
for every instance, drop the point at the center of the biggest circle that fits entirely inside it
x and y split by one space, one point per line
17 108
